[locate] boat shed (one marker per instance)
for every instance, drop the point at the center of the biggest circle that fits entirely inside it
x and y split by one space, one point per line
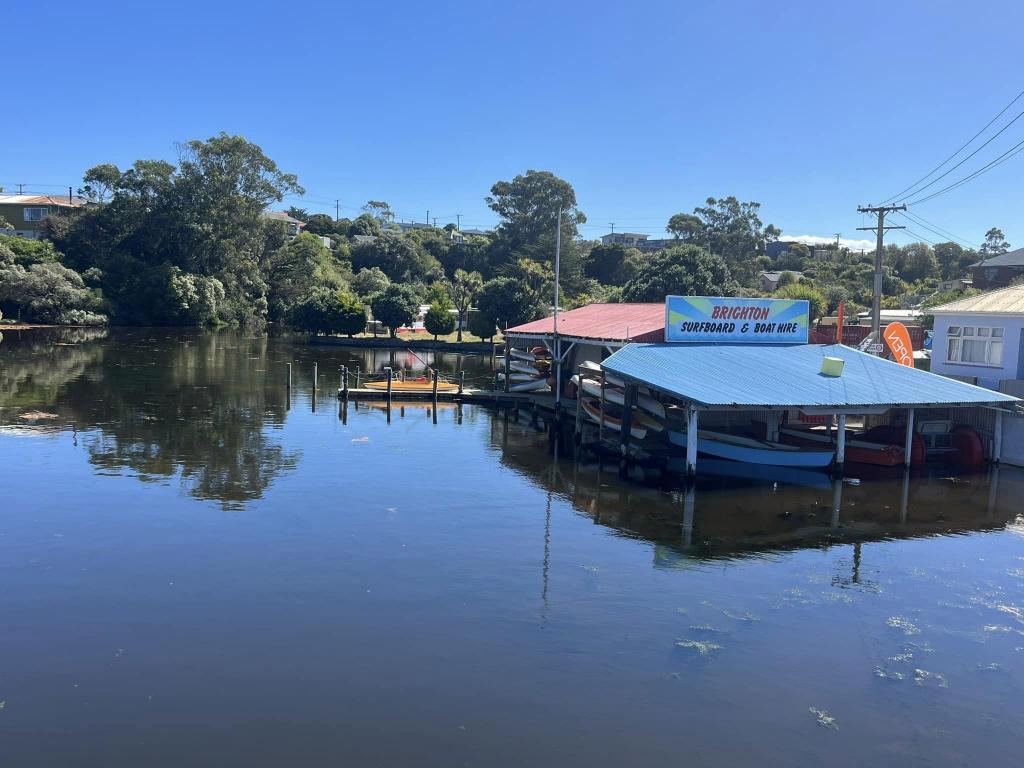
737 377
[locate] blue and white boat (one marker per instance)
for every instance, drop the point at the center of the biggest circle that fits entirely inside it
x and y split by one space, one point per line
753 451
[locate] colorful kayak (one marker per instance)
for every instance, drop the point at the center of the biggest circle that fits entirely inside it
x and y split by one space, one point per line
753 451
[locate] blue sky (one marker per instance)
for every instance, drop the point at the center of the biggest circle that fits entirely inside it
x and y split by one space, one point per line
647 108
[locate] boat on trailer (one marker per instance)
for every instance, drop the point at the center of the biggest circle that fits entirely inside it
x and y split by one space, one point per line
753 451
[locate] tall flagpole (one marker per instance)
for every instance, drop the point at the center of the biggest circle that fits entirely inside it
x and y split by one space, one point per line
558 345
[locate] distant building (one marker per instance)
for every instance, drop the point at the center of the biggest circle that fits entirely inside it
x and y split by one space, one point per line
955 284
25 213
770 280
998 271
478 233
292 226
365 239
640 242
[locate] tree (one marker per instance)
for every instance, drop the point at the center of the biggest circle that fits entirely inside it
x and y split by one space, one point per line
353 315
368 282
100 181
398 257
786 278
995 243
380 211
953 259
395 306
686 227
817 303
916 261
318 311
298 213
465 288
529 206
683 270
319 224
439 320
607 263
293 270
48 293
507 302
364 225
481 326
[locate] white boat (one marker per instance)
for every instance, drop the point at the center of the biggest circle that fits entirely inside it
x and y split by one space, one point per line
530 385
523 354
753 451
611 378
592 408
520 366
617 396
514 376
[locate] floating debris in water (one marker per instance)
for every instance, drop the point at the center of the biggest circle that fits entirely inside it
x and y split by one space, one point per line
824 718
360 440
908 627
703 648
708 628
888 674
923 677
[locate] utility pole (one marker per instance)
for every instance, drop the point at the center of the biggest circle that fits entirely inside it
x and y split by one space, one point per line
838 235
428 217
612 225
879 230
337 210
458 221
557 351
21 189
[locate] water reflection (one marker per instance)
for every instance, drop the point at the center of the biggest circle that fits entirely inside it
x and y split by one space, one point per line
727 514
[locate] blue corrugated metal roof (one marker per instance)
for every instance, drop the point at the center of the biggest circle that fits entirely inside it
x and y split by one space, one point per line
788 376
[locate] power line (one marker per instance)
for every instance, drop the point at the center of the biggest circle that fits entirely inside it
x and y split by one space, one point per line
1015 149
935 228
961 149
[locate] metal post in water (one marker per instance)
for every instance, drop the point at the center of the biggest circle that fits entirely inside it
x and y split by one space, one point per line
433 393
691 443
462 381
908 443
997 438
314 377
508 364
289 382
358 372
389 374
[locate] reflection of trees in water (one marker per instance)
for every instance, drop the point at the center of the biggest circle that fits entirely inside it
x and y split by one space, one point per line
165 403
35 365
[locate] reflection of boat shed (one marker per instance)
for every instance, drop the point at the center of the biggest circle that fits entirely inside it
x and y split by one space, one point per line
593 332
771 380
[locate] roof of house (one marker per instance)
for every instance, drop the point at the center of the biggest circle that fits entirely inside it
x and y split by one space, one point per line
774 276
1004 301
756 376
605 322
284 217
62 201
1008 259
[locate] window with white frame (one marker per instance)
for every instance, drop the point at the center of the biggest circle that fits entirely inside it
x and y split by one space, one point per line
36 213
974 345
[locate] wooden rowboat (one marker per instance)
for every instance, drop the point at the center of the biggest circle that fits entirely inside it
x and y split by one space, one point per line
416 385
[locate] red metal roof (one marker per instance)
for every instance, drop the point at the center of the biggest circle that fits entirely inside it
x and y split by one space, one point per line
58 200
607 322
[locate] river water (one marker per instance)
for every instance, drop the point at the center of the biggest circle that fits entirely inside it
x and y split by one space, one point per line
197 570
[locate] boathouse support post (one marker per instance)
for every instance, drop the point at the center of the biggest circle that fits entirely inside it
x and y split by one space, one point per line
288 383
691 442
600 424
314 377
579 413
344 381
508 364
997 437
689 497
908 442
841 442
462 382
626 433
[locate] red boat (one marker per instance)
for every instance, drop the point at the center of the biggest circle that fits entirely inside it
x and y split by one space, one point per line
860 449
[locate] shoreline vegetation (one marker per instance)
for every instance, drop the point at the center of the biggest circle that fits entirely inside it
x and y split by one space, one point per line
198 243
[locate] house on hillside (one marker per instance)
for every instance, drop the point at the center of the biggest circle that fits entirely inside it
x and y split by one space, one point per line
292 226
998 271
770 280
25 213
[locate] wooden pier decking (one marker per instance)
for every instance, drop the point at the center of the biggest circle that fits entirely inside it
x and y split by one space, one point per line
468 395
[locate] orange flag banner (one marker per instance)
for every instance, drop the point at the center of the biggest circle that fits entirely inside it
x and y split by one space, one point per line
898 339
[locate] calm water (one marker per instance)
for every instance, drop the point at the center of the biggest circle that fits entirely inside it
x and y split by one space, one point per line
196 572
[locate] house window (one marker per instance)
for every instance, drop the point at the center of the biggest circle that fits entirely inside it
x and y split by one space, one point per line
974 345
36 213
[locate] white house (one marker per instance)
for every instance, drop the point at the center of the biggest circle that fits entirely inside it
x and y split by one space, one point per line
981 337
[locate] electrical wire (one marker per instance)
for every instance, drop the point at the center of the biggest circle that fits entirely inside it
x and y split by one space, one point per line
1014 150
933 228
961 149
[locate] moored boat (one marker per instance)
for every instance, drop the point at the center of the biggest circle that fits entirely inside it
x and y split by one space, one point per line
617 396
753 451
612 417
858 451
422 384
528 385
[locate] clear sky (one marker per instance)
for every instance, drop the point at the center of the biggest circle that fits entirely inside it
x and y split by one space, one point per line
647 108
